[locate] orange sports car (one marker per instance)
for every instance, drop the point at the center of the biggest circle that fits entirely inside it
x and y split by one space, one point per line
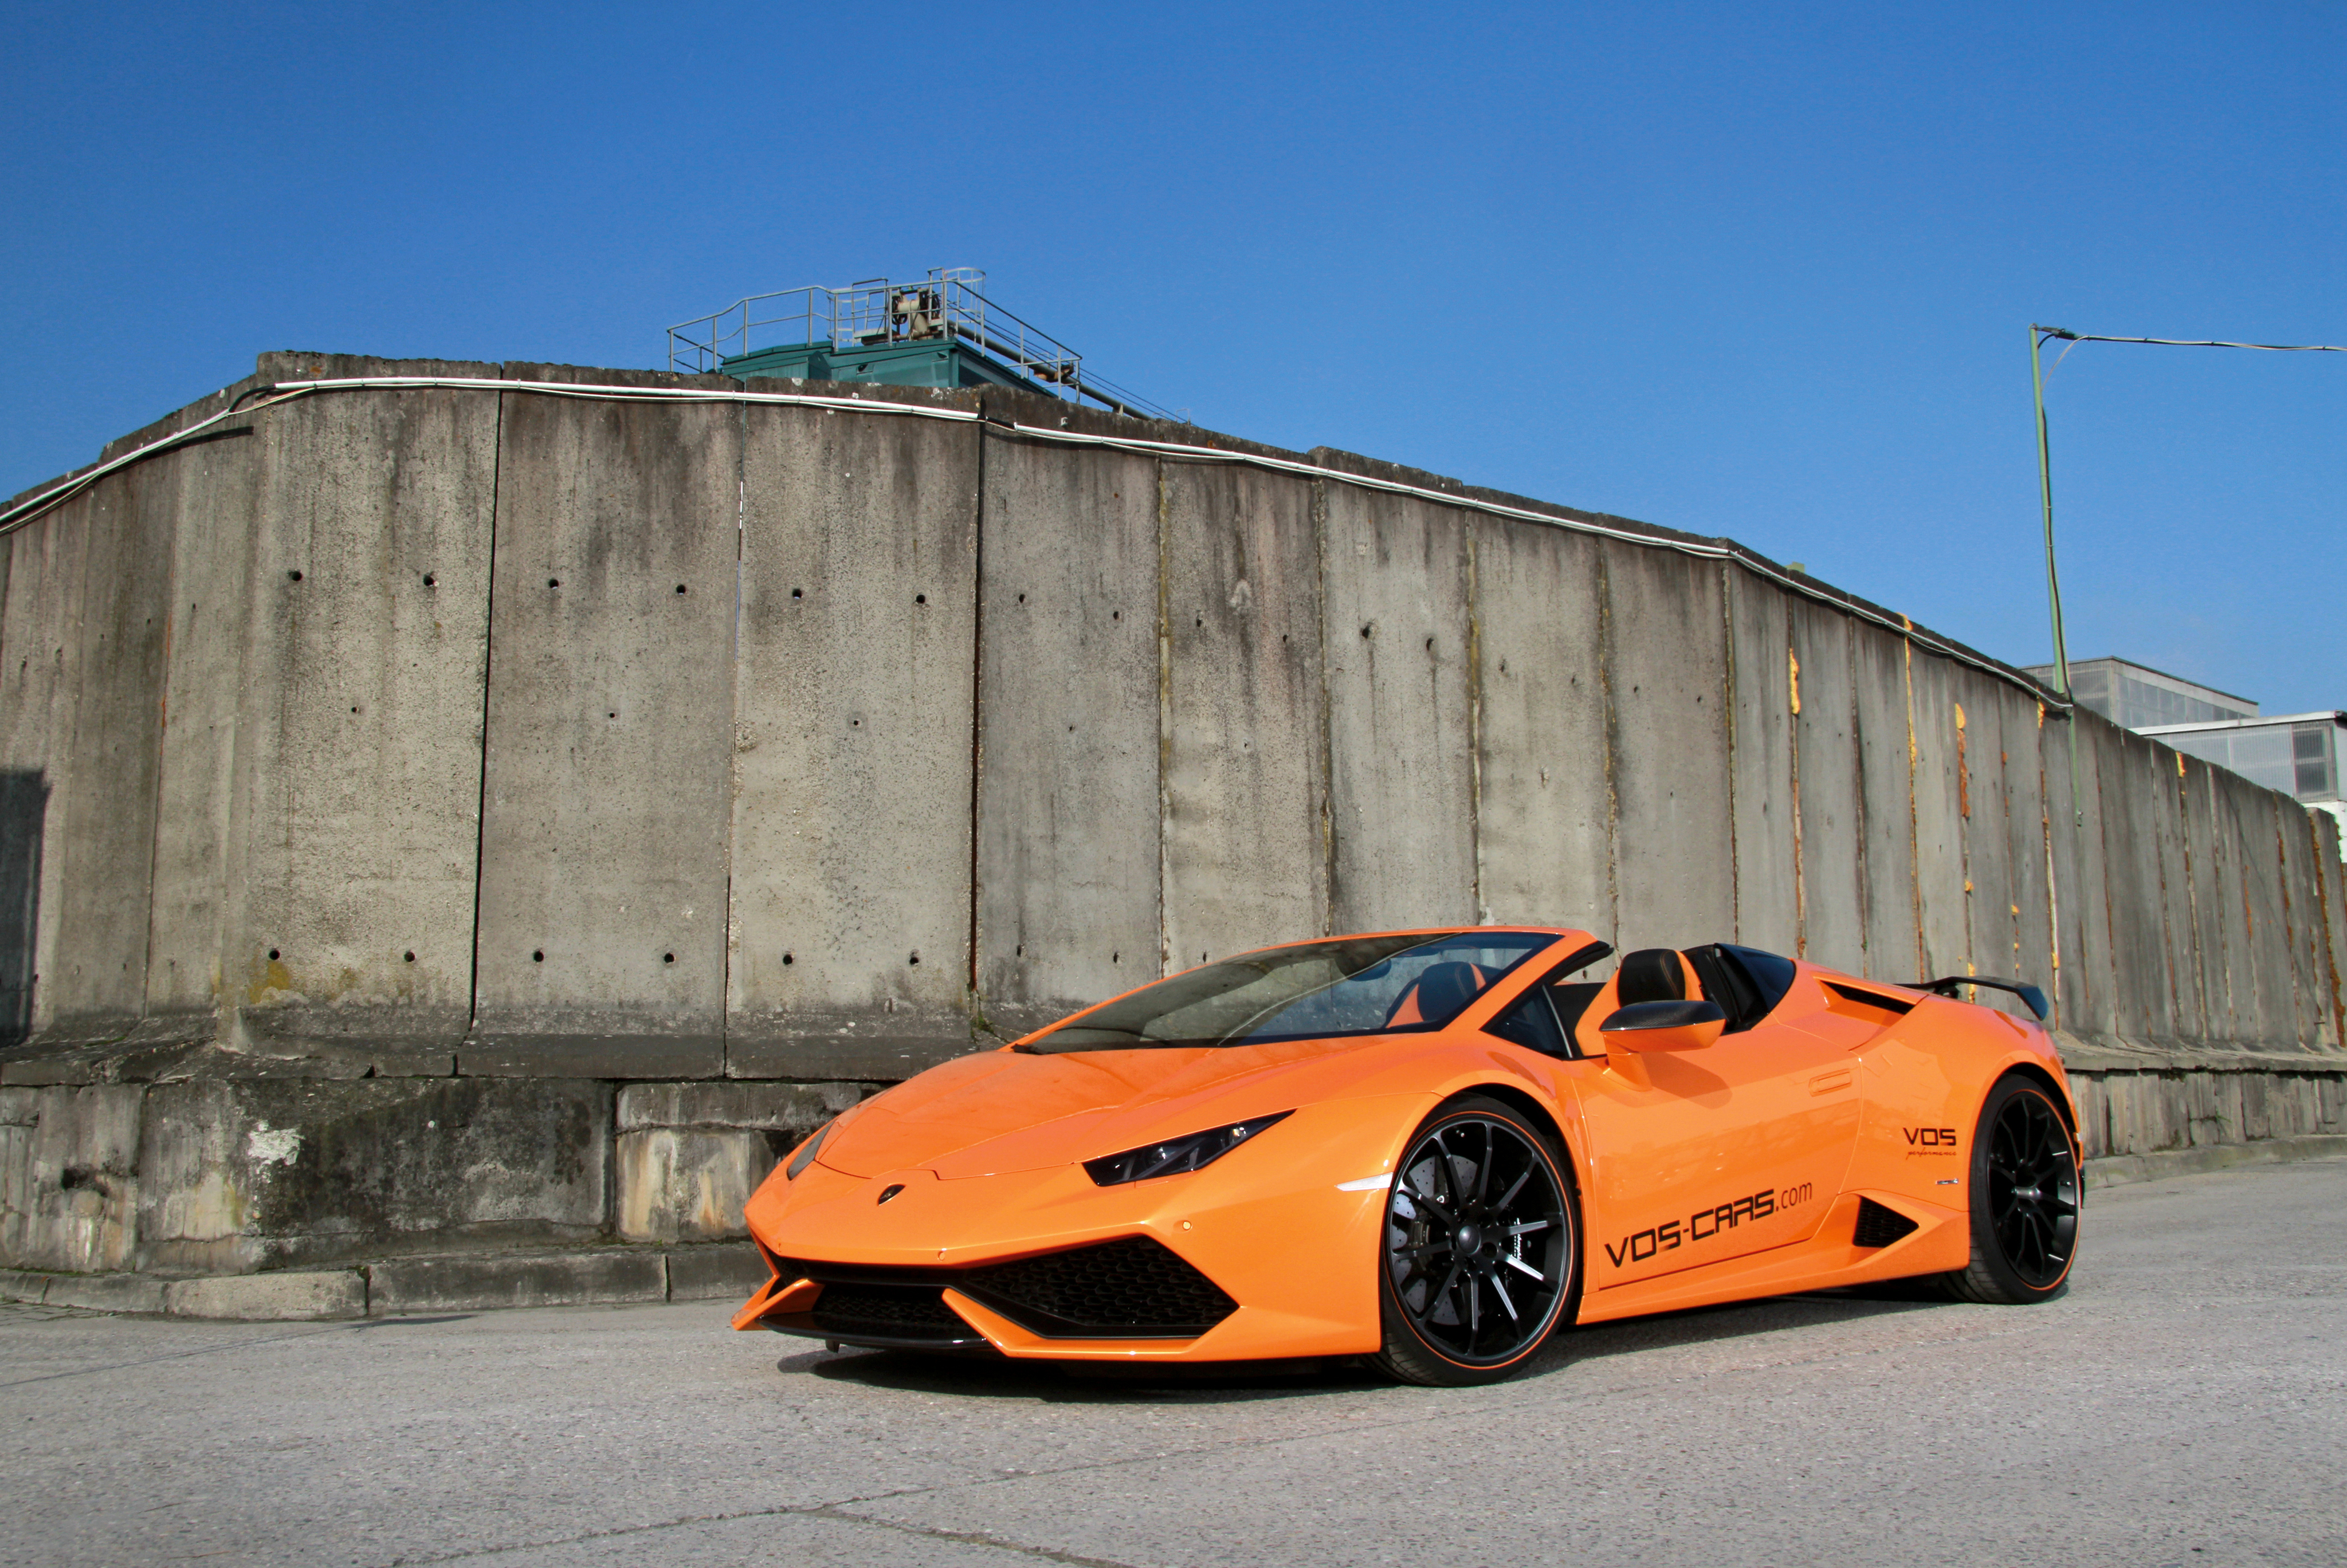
1431 1148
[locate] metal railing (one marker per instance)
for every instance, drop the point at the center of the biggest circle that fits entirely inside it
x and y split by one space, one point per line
875 311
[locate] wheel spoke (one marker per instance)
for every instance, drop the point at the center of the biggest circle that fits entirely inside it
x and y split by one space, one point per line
1512 1261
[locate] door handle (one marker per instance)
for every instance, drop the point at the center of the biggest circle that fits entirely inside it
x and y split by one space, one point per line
1827 1082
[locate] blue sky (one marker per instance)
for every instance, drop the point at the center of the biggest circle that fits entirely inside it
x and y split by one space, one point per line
1758 271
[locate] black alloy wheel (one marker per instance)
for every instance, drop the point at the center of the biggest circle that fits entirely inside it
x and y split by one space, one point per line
2025 1198
1480 1257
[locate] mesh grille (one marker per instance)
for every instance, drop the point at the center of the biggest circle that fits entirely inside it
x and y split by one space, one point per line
907 1309
1133 1286
1879 1225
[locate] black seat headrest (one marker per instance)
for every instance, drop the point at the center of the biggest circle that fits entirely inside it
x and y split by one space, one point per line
1445 989
1652 975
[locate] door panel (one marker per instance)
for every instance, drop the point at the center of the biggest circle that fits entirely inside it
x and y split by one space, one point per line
1705 1155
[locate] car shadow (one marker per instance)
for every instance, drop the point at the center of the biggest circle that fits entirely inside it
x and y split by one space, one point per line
997 1378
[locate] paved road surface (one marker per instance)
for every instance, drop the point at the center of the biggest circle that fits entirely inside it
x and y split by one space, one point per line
2185 1404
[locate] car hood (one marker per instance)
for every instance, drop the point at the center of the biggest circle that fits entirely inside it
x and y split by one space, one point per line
1005 1111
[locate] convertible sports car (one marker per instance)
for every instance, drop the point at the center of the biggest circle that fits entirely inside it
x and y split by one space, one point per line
1431 1148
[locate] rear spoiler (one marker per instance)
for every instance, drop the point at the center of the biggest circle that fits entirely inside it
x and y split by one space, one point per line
2031 996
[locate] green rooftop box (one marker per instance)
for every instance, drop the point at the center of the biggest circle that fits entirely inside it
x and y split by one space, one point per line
924 362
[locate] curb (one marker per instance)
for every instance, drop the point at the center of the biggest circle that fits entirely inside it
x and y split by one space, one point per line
2120 1169
394 1287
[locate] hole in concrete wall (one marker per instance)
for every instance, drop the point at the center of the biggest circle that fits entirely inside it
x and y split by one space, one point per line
1116 958
1116 615
914 959
24 809
1365 632
554 582
680 588
1429 645
273 955
1202 620
1023 949
798 593
538 956
354 707
1071 729
924 599
294 575
1022 599
668 958
411 957
427 581
611 715
788 960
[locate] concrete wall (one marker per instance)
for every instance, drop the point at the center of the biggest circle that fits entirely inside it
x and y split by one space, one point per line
399 734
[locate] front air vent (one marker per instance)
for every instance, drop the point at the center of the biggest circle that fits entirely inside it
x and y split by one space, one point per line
897 1311
1131 1289
1879 1225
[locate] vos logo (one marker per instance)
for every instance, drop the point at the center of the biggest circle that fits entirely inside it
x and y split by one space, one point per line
1931 1137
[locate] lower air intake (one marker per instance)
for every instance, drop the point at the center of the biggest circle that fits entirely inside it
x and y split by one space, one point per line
1879 1225
906 1311
1133 1288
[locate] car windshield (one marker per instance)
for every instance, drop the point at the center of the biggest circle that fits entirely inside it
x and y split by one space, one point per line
1313 991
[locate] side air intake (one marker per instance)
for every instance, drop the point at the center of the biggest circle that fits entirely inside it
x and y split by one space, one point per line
1879 1225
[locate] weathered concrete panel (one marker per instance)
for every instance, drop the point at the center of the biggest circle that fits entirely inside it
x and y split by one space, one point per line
2084 996
477 1284
2164 785
2130 797
1833 913
2257 819
197 862
40 695
851 809
69 1177
1886 803
1245 799
2211 887
1067 797
264 1173
1401 776
678 1184
1942 791
2025 736
358 742
2333 888
97 986
2301 903
1667 639
1982 805
601 946
1768 870
794 1109
1544 817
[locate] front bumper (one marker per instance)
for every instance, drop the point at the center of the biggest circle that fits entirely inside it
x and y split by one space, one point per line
1261 1256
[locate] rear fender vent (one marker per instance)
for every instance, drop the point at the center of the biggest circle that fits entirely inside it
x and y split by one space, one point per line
1879 1225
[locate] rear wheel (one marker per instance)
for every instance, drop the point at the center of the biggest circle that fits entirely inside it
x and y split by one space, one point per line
2025 1195
1481 1256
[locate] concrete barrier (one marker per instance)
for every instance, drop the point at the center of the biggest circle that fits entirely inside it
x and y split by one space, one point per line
392 859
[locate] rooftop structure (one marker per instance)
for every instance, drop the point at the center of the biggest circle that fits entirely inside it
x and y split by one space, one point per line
942 330
2136 696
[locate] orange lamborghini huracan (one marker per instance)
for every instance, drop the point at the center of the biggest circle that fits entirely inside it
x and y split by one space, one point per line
1431 1148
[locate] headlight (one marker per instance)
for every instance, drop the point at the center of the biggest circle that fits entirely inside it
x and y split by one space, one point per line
1176 1155
806 1156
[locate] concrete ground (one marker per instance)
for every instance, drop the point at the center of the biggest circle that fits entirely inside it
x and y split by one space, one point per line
2185 1403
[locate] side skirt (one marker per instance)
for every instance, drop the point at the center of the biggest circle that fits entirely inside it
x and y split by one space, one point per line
1941 1241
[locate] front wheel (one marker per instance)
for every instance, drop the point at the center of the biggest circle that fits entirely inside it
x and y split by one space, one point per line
2025 1192
1481 1256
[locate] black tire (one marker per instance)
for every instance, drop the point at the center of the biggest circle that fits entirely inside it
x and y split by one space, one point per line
1479 1257
2025 1195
